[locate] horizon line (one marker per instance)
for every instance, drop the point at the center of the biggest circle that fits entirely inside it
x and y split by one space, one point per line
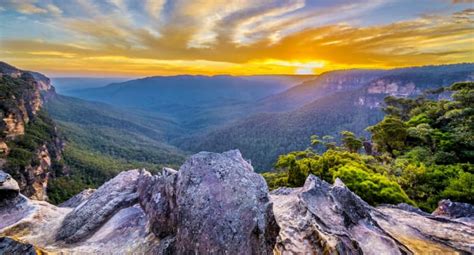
245 75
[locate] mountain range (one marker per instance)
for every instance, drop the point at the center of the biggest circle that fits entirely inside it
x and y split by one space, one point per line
159 121
265 116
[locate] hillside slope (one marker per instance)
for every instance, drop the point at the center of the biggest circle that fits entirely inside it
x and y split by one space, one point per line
262 137
345 100
30 149
102 141
196 102
349 80
68 85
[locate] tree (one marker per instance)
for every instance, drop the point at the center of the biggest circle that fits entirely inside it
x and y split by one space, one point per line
461 189
296 174
350 142
315 140
329 143
372 187
424 149
389 135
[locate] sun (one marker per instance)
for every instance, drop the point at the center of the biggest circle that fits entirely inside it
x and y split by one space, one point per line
307 67
304 70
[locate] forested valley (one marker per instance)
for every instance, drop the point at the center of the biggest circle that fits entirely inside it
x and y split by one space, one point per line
420 153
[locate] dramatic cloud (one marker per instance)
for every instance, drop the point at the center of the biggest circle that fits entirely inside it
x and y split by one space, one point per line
131 37
462 1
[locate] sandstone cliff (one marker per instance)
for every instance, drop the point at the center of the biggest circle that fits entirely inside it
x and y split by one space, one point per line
29 144
216 204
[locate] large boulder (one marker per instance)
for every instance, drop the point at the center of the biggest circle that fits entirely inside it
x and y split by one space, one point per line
323 218
37 223
114 195
424 234
214 204
320 218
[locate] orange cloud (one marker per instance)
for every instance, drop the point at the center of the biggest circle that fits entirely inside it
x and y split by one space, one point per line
244 37
462 1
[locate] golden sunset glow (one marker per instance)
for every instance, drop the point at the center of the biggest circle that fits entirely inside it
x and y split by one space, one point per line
159 37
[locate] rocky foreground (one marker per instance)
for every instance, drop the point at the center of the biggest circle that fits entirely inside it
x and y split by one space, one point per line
216 204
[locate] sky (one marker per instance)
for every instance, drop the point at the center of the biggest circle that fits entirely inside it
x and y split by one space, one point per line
239 37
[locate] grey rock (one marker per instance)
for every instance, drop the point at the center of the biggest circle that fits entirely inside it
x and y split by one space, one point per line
78 199
320 218
13 210
214 204
166 246
124 233
454 210
158 200
408 208
38 222
426 234
9 188
11 246
118 193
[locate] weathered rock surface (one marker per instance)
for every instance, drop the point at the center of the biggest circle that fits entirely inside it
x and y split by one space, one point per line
114 195
13 206
158 199
454 210
31 221
425 234
11 246
9 188
320 218
113 229
214 204
78 199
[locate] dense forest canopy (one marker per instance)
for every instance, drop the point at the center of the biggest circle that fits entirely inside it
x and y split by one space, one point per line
326 105
102 141
421 152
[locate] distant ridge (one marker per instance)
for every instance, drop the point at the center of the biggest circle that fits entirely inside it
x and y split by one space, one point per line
332 102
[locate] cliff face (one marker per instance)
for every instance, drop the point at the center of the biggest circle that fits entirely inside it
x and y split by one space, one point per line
29 144
216 204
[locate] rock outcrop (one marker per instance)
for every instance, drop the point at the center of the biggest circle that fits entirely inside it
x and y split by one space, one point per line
425 234
78 199
323 218
320 218
9 188
158 199
393 88
87 217
115 224
454 210
216 204
11 246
